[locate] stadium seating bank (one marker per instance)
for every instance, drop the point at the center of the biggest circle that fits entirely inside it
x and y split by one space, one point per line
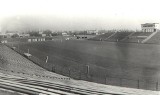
129 37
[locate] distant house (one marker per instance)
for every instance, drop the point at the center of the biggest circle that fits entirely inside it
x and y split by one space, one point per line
9 34
92 31
24 35
43 35
29 40
97 33
41 32
3 35
4 41
64 34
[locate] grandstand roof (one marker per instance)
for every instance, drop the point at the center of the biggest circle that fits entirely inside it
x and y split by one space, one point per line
149 23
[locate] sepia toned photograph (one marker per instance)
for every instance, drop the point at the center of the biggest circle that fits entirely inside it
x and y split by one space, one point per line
79 47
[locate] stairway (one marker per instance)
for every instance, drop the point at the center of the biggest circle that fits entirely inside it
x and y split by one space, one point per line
150 36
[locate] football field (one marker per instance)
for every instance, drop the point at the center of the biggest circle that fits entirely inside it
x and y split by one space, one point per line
123 64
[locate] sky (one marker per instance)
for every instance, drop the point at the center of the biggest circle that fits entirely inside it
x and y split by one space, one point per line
77 14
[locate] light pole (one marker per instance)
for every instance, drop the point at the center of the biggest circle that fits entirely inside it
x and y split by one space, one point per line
47 59
28 51
53 68
69 72
87 70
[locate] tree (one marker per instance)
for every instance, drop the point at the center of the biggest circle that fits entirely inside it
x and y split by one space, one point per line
47 32
54 34
34 34
14 36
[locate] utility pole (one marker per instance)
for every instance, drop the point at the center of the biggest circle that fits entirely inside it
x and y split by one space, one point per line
28 51
69 70
53 68
87 70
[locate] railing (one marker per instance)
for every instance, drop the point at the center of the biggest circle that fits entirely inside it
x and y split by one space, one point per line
84 72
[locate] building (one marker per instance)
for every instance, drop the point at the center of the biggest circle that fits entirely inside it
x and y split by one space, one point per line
92 31
24 35
150 27
43 35
64 34
3 35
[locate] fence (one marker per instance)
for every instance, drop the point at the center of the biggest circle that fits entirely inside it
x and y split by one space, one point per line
89 73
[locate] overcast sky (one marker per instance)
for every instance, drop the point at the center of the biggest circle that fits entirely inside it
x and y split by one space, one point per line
77 14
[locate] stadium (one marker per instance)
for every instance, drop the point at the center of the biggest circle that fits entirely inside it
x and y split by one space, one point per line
112 63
